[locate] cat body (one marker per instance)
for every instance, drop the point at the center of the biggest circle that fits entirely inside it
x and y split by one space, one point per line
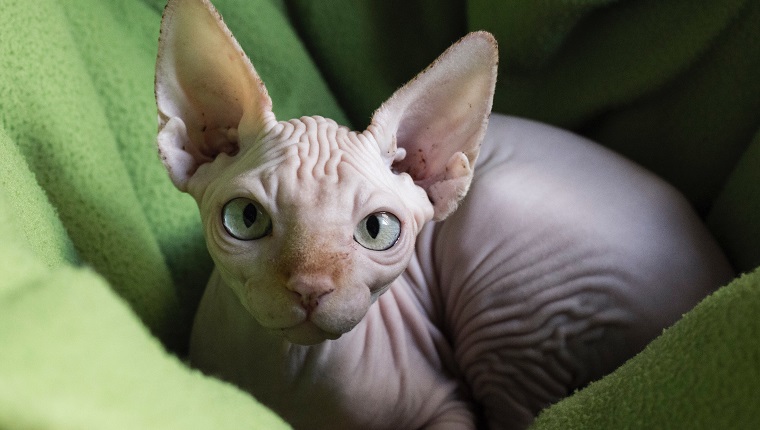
548 276
356 286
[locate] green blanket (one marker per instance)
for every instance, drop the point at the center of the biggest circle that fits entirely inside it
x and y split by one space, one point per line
102 261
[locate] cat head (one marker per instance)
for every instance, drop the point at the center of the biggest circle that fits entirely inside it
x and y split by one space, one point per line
307 221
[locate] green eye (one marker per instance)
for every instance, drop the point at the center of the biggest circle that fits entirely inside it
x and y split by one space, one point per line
378 231
245 219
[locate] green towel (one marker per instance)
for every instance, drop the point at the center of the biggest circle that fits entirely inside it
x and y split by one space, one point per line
103 261
73 356
702 373
735 218
673 85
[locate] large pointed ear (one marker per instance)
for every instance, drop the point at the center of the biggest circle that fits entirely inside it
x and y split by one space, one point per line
207 92
433 126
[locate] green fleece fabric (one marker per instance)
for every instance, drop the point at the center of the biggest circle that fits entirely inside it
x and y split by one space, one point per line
735 218
103 261
694 376
74 356
672 85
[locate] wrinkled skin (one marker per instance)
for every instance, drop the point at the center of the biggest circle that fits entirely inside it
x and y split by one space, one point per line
563 260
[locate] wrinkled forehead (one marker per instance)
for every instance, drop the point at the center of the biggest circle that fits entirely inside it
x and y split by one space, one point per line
314 161
311 168
317 152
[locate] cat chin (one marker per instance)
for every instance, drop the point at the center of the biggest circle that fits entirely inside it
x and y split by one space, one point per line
306 333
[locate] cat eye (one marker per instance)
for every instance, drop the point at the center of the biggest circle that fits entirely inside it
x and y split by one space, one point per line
378 231
245 219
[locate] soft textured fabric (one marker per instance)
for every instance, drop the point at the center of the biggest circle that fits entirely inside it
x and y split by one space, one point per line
103 261
697 375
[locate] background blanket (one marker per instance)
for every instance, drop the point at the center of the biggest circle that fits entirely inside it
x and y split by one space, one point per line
102 261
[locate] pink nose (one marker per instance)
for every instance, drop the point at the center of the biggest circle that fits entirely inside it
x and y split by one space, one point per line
311 290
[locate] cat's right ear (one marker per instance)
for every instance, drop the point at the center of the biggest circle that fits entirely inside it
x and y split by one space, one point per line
207 92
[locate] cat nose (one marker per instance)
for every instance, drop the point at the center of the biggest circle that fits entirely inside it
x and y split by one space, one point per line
311 290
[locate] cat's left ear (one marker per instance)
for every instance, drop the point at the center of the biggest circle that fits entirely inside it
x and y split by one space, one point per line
439 119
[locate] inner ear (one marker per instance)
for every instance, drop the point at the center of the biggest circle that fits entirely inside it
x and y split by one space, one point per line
439 119
204 81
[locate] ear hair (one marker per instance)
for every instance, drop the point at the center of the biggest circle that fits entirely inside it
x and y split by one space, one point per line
439 118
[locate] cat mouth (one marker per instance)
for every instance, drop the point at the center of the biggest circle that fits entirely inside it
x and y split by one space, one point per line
306 333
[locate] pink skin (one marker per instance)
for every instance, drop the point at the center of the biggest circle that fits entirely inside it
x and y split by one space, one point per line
563 261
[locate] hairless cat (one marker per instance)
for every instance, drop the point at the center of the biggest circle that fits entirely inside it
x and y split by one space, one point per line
355 285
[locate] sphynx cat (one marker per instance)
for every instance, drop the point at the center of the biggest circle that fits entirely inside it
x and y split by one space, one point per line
355 285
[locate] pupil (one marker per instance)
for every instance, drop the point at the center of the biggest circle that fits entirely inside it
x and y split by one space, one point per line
249 215
373 226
